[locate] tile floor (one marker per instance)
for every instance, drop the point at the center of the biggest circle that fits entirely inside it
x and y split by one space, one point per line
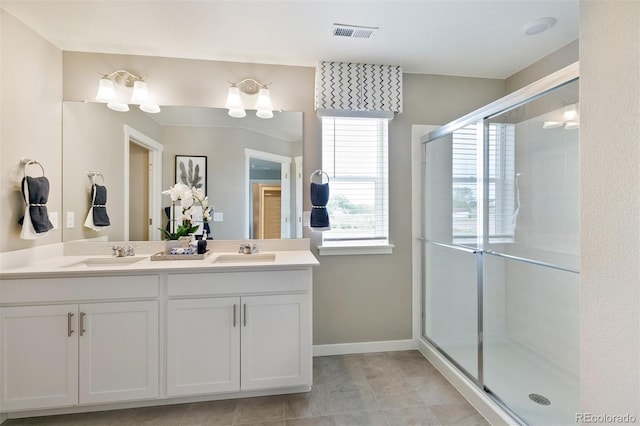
386 389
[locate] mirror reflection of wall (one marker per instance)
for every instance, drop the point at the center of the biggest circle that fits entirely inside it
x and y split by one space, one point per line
93 140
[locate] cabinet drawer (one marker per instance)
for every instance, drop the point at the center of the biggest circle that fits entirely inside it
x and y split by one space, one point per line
238 282
71 289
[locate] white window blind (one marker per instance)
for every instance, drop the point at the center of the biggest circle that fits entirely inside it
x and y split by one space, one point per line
465 197
355 156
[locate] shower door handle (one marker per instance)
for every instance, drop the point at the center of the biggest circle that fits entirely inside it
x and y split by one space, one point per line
452 246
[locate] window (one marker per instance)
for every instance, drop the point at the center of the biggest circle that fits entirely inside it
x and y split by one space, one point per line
355 156
501 181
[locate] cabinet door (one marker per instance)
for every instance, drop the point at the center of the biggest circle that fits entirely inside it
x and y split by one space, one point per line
276 341
118 351
39 353
203 346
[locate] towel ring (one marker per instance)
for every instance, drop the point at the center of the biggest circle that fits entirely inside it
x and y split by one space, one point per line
93 176
318 173
27 162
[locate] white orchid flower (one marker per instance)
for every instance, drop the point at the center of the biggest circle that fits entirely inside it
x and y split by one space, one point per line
186 200
198 194
176 191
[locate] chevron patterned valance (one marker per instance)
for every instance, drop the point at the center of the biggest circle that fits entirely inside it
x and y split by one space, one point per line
358 87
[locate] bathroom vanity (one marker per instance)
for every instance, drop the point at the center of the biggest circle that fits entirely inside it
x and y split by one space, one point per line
78 331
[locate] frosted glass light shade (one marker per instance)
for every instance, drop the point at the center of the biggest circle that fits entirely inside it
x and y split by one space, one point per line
234 103
106 90
264 113
140 93
237 113
263 105
151 109
551 124
233 99
570 113
116 106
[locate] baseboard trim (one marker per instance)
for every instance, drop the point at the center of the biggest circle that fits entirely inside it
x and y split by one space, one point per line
152 402
364 347
480 401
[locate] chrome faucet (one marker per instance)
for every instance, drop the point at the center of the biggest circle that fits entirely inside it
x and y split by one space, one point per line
119 251
246 248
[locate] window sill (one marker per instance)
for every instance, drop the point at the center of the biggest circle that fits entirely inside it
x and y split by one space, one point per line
354 248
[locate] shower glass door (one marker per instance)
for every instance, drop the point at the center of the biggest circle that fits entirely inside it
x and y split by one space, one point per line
501 252
450 247
531 258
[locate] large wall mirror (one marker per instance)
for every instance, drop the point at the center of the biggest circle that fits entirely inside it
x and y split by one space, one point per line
253 169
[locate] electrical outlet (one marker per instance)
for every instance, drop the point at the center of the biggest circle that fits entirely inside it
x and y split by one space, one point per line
218 216
71 219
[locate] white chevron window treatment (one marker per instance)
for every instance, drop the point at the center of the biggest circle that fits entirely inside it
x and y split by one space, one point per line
343 86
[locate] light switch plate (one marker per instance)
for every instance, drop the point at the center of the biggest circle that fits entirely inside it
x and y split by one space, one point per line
218 216
53 218
71 219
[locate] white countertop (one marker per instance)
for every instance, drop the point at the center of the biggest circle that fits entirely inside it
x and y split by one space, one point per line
73 265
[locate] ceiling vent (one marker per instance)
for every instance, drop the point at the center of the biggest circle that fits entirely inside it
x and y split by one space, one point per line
353 31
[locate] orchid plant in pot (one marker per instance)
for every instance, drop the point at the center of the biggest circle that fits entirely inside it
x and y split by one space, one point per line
186 204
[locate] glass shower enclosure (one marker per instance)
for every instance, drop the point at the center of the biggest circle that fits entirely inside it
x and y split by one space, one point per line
500 282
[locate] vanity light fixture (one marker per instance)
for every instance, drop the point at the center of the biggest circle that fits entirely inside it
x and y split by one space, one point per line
140 94
264 108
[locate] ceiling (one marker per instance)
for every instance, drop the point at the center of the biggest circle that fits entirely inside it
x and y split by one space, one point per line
479 38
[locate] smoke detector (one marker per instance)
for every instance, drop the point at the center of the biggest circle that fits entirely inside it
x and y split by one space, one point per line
353 31
538 26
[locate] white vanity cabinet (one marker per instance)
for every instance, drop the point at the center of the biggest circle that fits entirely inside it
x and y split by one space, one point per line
57 355
153 333
203 346
39 347
230 332
275 342
118 346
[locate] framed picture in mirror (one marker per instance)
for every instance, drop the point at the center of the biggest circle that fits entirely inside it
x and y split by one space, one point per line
191 170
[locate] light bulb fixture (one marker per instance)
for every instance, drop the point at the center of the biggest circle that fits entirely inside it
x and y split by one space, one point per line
139 96
570 118
570 112
551 124
249 86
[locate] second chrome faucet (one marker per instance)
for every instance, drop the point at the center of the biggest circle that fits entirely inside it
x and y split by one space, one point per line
246 248
119 251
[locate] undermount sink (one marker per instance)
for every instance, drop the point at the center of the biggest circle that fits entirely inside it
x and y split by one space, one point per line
245 258
100 262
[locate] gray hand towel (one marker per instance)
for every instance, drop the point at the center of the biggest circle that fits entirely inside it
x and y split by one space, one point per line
99 197
37 189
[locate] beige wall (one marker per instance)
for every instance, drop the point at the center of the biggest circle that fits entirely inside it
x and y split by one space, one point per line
30 124
545 66
610 206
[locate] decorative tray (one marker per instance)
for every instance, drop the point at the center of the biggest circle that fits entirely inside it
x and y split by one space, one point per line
164 256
